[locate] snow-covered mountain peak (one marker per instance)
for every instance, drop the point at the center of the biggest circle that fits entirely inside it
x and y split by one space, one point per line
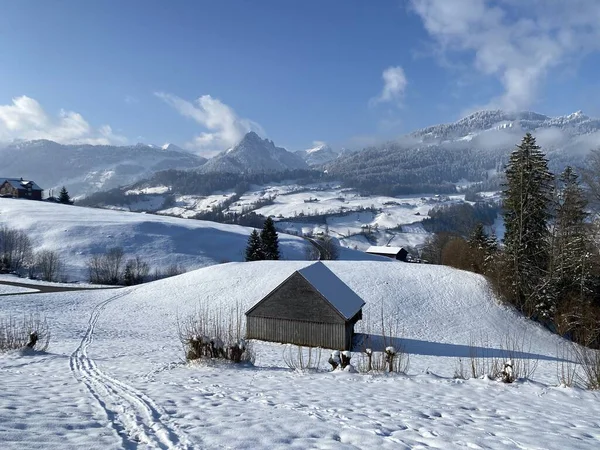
254 154
172 148
320 154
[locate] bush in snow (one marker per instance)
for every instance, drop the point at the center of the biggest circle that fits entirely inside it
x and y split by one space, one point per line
31 332
588 359
15 250
106 268
47 266
509 363
215 334
296 357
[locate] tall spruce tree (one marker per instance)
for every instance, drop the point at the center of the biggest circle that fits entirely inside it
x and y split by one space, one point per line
254 250
64 197
270 240
572 239
526 201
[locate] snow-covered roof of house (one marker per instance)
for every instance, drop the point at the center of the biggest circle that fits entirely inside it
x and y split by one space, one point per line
336 292
384 250
20 183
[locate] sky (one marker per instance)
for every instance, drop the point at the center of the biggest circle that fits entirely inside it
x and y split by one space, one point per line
200 74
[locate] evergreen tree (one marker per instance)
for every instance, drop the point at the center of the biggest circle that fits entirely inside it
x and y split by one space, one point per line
572 267
254 249
64 197
128 276
526 200
479 246
270 240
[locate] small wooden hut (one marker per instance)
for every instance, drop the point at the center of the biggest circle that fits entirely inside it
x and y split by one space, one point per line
312 307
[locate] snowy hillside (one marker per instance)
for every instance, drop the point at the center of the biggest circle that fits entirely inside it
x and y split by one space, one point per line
113 377
254 154
88 168
496 120
318 155
77 233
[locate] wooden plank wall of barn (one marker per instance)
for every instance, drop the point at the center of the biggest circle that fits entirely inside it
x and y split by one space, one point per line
312 334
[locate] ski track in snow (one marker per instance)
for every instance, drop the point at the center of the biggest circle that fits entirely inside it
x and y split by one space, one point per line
134 415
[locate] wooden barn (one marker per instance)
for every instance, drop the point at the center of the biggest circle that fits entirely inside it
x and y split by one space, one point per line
398 253
312 307
20 188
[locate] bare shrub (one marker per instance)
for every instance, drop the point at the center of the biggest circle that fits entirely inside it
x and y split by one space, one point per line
215 333
30 332
170 271
508 363
15 249
297 357
330 248
392 355
589 364
48 265
106 268
566 367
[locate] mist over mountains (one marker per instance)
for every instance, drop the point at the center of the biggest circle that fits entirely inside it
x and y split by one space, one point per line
88 168
431 159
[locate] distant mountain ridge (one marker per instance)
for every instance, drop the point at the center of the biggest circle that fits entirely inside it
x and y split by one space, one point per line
495 120
318 155
89 168
254 154
474 148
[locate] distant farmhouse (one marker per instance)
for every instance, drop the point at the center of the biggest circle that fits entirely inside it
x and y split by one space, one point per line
398 253
20 188
312 307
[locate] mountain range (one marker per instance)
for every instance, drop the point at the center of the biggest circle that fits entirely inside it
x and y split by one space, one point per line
88 168
472 148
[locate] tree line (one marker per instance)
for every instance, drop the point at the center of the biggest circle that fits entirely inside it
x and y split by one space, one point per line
548 264
263 245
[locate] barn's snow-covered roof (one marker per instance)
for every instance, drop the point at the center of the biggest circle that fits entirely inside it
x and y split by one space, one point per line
341 297
19 183
384 250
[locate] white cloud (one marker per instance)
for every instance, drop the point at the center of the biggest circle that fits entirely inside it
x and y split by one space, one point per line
516 41
224 127
394 85
25 119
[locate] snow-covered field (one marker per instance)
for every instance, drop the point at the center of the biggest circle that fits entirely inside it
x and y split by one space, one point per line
113 377
395 222
77 233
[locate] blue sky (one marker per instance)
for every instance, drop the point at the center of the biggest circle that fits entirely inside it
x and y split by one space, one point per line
201 73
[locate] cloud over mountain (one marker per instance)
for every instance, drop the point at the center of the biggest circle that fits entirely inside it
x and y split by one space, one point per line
224 127
25 119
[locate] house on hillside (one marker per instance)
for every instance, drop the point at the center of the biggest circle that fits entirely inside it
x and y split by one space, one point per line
398 253
312 307
20 188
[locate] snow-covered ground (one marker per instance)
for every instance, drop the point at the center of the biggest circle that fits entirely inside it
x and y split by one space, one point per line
347 212
113 376
77 233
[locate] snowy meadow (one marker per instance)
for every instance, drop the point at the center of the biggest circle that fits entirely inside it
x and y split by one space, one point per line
115 374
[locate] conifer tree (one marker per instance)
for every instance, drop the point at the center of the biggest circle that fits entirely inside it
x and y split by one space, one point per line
254 250
479 245
64 197
270 240
526 201
572 240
